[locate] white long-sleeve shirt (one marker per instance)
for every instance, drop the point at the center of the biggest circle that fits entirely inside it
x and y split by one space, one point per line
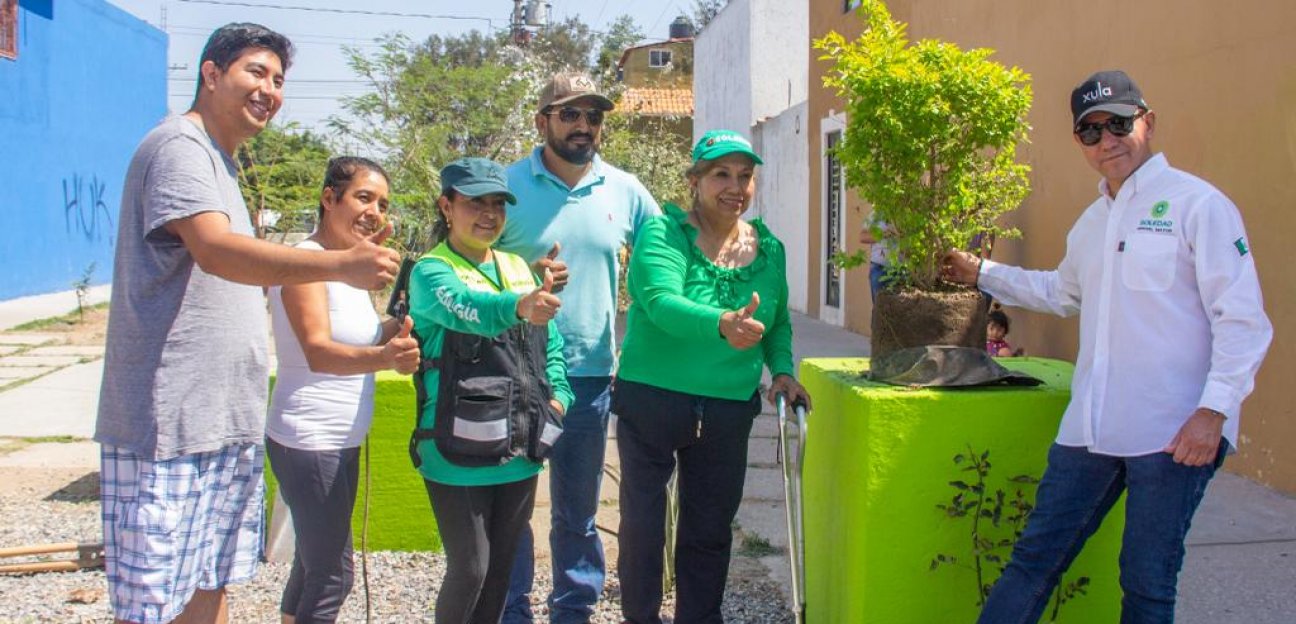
1171 316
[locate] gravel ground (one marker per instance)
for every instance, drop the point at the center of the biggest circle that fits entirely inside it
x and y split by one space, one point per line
402 586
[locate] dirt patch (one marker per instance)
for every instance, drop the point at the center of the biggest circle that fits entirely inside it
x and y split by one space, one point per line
50 484
89 328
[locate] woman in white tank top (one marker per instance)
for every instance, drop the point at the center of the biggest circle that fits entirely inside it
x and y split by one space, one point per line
329 342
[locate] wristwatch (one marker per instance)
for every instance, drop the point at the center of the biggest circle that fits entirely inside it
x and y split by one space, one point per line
1216 412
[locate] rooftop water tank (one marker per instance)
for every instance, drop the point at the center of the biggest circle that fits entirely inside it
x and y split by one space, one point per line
681 28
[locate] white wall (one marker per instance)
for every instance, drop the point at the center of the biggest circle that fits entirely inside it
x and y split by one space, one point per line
722 72
750 73
749 63
781 193
780 58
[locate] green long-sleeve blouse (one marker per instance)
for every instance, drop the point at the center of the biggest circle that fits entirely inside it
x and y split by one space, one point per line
673 336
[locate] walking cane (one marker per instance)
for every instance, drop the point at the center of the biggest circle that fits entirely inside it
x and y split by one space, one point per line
792 496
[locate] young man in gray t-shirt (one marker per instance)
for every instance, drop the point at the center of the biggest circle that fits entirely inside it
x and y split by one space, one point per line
182 405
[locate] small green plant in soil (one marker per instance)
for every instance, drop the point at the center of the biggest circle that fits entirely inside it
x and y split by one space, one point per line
82 288
998 518
755 546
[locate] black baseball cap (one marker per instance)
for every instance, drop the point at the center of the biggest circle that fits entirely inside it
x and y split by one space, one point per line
1109 91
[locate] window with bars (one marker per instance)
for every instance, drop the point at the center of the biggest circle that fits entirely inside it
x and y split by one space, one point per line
835 195
659 58
9 29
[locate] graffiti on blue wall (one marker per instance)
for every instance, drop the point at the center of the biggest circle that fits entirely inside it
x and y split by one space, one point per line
84 209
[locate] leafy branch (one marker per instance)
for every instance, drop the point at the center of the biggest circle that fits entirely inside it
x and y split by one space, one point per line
998 519
931 140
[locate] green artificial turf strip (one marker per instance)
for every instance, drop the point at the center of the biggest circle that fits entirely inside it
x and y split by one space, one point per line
400 517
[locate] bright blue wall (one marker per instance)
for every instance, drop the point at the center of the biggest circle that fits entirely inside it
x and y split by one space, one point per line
89 82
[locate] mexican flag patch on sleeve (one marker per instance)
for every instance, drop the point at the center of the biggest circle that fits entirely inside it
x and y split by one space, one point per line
1241 245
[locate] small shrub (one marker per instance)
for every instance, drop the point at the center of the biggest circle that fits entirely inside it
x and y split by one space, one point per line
998 520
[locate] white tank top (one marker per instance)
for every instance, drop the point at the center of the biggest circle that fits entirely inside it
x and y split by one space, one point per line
318 411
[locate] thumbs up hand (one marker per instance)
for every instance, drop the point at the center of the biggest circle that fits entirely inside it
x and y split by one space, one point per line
748 310
551 262
401 353
368 265
738 327
540 305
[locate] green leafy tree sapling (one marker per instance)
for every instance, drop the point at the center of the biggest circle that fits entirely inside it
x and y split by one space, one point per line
931 140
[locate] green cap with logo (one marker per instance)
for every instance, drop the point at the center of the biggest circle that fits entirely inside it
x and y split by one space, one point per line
717 143
476 177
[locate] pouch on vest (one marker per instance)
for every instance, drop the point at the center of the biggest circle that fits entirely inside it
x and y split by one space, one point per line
493 398
478 429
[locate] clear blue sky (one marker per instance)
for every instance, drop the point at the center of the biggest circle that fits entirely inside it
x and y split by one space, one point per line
319 74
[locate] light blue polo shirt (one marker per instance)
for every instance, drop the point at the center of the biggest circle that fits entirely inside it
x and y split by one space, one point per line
592 221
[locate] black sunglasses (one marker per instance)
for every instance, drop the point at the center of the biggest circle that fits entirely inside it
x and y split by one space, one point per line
1090 133
570 114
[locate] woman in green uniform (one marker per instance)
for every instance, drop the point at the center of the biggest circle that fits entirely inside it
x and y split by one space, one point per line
492 388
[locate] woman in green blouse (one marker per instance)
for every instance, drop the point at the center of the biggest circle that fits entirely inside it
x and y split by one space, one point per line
708 311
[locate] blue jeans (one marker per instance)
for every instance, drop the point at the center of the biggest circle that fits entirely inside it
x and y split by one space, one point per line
1077 491
877 273
575 473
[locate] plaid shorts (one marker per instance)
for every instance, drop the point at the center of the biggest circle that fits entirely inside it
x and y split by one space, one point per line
178 525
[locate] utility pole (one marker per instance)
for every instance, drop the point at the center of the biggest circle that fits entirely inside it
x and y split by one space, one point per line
528 17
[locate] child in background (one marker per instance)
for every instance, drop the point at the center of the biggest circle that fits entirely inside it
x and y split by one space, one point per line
996 331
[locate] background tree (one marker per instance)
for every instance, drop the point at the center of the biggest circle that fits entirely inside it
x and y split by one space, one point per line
649 149
623 33
280 173
432 103
474 95
704 11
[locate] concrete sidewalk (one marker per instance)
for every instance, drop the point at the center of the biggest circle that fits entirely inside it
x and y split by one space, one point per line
1241 554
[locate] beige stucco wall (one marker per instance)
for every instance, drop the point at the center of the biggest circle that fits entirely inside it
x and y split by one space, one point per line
638 73
1222 79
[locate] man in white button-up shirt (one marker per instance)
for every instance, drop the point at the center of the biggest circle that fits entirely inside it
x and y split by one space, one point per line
1172 331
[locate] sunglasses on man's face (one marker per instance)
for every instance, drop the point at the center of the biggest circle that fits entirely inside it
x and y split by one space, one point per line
1090 133
570 114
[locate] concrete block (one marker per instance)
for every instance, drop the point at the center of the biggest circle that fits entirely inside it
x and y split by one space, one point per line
763 484
878 461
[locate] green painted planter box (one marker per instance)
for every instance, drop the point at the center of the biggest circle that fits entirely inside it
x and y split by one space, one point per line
400 516
879 459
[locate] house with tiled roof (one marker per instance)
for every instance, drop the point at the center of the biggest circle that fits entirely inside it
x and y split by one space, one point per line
657 78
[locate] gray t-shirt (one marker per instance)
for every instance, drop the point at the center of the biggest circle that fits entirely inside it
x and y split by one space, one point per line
186 366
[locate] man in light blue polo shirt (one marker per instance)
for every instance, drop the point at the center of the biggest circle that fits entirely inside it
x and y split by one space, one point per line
574 210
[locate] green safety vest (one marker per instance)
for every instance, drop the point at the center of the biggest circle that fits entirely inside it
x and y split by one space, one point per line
493 394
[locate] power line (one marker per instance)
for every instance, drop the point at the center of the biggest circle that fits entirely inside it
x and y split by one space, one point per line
199 31
666 7
293 81
600 12
286 97
287 7
296 40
